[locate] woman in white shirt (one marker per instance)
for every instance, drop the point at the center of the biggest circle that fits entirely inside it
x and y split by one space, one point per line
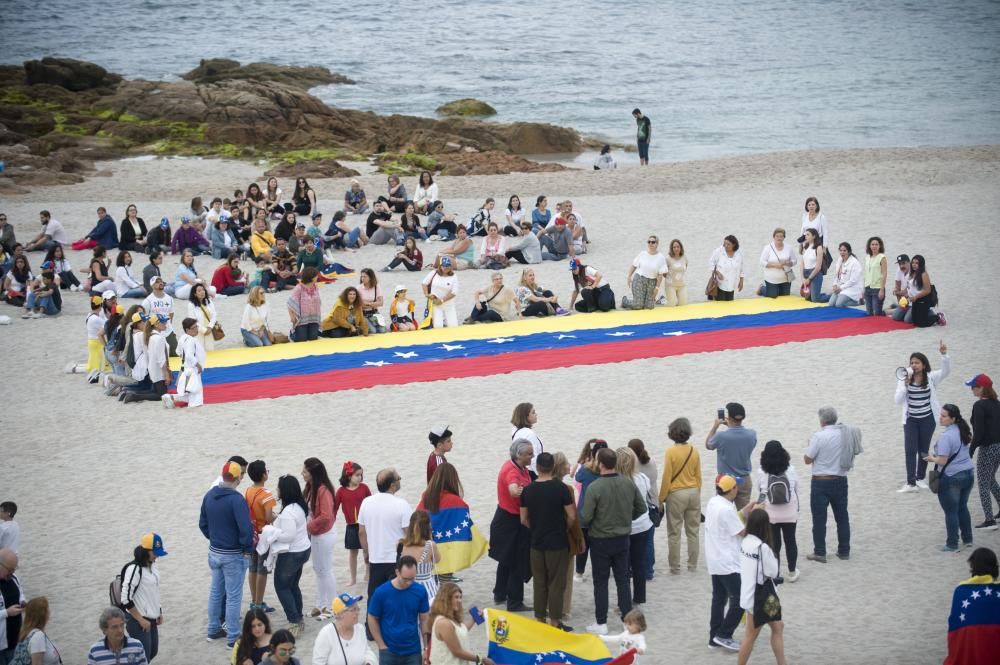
36 616
523 422
426 193
126 285
254 324
812 266
514 214
675 285
642 526
727 262
192 351
343 641
202 309
849 287
777 260
645 275
758 566
812 218
604 161
594 291
273 196
440 288
294 549
141 594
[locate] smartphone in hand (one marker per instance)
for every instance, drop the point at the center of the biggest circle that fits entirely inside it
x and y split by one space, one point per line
721 414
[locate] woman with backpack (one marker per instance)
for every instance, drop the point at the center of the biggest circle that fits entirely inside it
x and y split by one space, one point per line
951 454
758 595
33 642
140 594
779 492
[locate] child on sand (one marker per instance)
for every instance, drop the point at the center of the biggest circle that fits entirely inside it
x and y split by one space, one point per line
633 637
440 438
401 311
349 496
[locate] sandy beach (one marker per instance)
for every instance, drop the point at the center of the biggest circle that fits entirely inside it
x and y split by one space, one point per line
91 475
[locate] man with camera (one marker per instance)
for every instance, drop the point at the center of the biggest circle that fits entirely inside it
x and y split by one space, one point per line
733 447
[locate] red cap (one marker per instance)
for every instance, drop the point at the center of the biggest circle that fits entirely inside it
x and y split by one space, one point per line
231 471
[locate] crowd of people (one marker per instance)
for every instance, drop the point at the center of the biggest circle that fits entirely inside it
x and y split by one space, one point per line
553 517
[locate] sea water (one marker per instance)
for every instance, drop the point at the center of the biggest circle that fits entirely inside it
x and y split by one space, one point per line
716 77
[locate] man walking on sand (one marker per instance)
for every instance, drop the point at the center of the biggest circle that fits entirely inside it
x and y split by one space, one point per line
733 447
643 135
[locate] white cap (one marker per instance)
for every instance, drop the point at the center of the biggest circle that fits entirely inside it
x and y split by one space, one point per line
399 287
108 295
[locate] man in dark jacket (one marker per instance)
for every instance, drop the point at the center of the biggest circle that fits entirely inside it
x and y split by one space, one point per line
225 521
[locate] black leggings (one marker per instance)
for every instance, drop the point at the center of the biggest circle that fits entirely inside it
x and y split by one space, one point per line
158 390
516 255
581 559
511 231
68 279
443 225
785 531
485 315
412 267
539 308
593 300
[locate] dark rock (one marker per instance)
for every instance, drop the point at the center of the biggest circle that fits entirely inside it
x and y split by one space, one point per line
215 70
313 168
490 163
466 108
67 73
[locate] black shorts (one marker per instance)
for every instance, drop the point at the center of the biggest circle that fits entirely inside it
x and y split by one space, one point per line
352 540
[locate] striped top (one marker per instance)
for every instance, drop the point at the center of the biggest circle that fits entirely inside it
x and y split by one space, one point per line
918 401
131 653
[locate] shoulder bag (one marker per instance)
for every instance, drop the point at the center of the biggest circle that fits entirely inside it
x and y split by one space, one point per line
766 604
217 331
934 475
712 288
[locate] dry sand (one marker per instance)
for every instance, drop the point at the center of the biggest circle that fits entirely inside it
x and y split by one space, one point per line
91 475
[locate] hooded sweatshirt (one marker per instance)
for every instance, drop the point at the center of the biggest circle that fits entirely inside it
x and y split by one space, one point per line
225 521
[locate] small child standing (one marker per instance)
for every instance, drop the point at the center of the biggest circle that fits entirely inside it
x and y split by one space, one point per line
349 497
633 637
190 392
440 438
10 532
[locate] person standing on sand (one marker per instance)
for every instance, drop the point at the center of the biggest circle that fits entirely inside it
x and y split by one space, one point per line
733 447
829 486
12 603
643 135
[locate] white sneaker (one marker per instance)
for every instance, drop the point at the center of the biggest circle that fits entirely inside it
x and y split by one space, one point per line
726 643
792 576
598 628
74 288
578 578
168 401
26 315
907 488
922 484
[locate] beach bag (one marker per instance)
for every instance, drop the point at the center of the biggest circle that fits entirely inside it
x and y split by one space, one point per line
934 475
712 288
778 489
766 604
115 588
21 655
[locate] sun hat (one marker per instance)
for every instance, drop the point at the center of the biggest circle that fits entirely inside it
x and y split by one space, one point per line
725 482
980 381
231 471
399 287
108 295
438 433
152 541
344 601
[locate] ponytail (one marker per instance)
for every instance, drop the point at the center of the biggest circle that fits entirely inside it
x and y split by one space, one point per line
964 431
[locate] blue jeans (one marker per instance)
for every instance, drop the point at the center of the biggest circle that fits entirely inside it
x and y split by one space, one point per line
45 303
386 657
137 292
917 433
228 571
830 492
953 495
643 150
840 300
816 289
904 314
287 573
252 340
775 290
305 333
874 304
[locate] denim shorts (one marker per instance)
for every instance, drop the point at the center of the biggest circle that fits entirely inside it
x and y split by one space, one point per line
257 563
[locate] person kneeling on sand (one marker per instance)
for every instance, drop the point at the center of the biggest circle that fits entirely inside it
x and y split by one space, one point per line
189 387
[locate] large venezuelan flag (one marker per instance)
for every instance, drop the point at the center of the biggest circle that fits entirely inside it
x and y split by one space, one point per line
459 542
329 365
974 625
518 640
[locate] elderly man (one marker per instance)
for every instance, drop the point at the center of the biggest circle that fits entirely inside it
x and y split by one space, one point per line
382 519
510 541
829 485
116 647
225 522
12 602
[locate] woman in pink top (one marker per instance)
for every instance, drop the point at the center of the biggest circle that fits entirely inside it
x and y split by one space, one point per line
305 308
319 495
779 492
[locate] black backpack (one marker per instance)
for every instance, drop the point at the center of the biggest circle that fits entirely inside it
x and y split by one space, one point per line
778 489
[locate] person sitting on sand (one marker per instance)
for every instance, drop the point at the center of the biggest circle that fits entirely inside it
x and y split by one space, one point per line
187 277
100 281
346 318
159 237
104 233
495 303
305 307
380 228
300 238
536 301
262 240
202 310
126 285
254 324
310 256
461 252
401 311
228 279
541 215
188 237
409 257
342 235
410 223
556 241
222 238
284 266
491 251
513 215
426 193
286 227
371 299
273 197
604 161
133 230
478 225
848 289
396 194
440 225
524 247
304 198
15 282
355 200
594 291
43 295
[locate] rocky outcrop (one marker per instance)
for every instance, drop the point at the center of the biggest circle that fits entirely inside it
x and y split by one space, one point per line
311 168
215 70
466 108
67 73
491 163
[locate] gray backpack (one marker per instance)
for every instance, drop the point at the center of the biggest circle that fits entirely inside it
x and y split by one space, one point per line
778 489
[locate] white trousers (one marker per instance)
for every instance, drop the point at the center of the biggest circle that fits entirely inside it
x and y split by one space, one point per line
322 562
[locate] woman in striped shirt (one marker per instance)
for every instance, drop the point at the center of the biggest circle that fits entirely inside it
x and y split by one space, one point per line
918 396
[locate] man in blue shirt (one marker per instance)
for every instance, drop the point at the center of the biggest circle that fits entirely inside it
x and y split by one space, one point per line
117 646
733 447
397 617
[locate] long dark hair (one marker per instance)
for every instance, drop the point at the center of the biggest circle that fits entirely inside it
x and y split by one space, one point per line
927 367
300 191
759 524
774 459
964 431
318 476
247 641
51 254
444 479
847 246
349 469
141 557
289 492
21 275
918 274
639 448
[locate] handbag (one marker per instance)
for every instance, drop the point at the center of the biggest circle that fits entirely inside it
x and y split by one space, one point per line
712 288
655 514
766 604
217 331
934 475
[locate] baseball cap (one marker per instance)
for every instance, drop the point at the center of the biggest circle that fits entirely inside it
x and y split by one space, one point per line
224 216
108 295
152 541
437 433
164 222
573 264
343 601
901 258
96 300
445 262
231 471
980 381
163 318
185 220
48 265
317 214
399 287
726 483
560 221
139 316
156 278
300 225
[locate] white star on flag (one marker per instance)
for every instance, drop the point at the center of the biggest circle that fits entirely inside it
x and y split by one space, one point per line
566 336
676 333
448 533
438 535
975 595
965 604
376 363
620 333
500 340
451 347
961 616
408 354
465 523
988 592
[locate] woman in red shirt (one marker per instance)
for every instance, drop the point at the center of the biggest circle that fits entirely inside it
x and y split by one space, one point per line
319 496
509 539
349 496
228 279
